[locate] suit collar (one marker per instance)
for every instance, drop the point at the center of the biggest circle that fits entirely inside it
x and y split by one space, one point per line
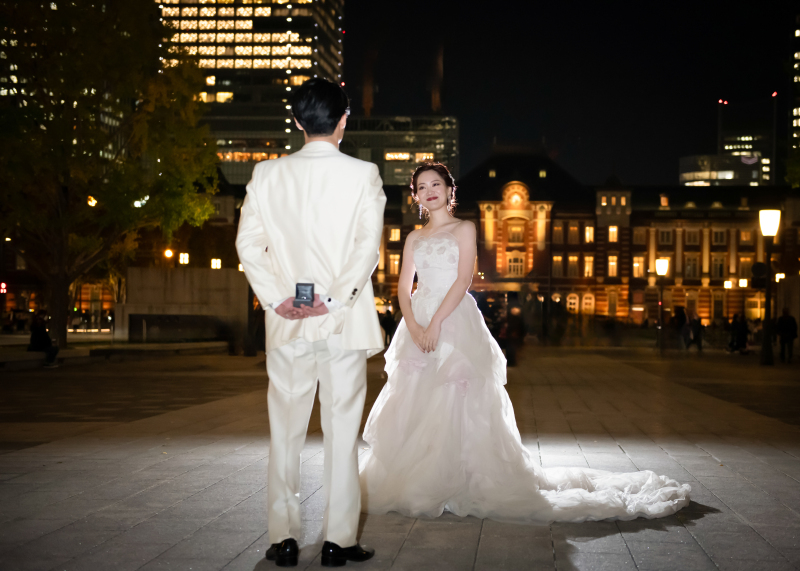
319 147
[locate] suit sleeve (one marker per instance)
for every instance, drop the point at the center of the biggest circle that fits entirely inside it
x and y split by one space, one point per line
365 254
251 245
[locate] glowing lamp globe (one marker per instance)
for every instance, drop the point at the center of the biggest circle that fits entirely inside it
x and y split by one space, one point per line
662 266
769 220
167 253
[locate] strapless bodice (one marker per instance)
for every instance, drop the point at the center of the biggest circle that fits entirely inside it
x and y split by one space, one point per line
436 260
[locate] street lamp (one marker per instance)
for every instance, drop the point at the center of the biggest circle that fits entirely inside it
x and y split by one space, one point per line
662 268
769 221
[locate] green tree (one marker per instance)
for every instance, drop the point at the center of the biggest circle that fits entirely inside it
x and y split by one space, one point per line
99 136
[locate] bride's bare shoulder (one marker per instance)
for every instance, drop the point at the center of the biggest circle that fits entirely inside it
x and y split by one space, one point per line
465 228
413 235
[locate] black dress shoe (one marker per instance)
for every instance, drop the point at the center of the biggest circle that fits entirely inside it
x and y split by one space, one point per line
284 554
335 556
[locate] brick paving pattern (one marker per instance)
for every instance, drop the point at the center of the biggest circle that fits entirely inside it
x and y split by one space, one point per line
162 465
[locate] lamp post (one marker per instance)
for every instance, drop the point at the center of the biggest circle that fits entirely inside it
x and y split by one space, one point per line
769 221
662 268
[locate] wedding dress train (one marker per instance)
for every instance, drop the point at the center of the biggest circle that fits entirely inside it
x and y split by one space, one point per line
443 436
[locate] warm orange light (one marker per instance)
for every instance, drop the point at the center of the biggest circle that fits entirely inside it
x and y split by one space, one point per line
168 253
91 201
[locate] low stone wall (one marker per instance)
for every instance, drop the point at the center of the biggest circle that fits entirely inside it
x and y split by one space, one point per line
183 304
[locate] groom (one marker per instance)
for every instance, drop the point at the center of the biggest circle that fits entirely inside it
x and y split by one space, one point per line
315 217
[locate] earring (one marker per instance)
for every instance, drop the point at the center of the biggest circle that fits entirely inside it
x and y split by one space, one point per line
420 212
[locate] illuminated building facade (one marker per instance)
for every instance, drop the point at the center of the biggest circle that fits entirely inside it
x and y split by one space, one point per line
725 170
594 248
794 127
253 54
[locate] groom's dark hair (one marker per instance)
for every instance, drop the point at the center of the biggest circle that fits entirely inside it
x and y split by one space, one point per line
318 105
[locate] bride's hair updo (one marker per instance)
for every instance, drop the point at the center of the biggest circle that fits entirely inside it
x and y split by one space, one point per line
448 181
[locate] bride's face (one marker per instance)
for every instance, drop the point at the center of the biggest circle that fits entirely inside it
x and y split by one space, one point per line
432 190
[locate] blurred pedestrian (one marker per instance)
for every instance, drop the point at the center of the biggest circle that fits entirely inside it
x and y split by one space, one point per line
787 331
41 341
389 325
694 334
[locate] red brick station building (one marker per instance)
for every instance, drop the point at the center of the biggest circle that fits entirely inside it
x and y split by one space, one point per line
594 248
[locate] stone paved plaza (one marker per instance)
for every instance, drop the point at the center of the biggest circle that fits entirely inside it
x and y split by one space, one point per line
161 465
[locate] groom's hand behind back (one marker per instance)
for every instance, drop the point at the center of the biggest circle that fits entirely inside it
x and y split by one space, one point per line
288 311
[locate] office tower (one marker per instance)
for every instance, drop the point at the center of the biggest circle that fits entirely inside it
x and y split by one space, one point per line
253 54
794 127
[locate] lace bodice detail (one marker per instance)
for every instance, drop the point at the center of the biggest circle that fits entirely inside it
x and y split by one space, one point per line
436 259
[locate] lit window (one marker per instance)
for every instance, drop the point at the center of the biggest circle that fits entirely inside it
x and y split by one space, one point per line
417 226
622 200
572 303
301 50
225 24
261 63
224 97
170 12
207 38
279 63
226 12
188 38
245 12
638 266
690 271
261 50
572 234
189 12
612 266
280 50
542 173
244 24
208 12
613 201
664 200
745 266
589 231
224 63
516 265
394 235
558 268
211 80
612 233
183 258
244 63
208 25
588 266
394 264
718 267
742 282
208 63
746 236
492 173
397 156
224 50
300 63
572 266
188 24
263 12
558 233
604 200
243 38
421 157
515 234
227 38
216 263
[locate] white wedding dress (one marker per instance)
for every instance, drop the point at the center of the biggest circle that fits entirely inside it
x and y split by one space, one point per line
443 436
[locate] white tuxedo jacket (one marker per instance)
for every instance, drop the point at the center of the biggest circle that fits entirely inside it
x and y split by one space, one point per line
315 216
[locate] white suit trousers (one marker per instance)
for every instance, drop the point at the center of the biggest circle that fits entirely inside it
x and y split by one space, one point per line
293 371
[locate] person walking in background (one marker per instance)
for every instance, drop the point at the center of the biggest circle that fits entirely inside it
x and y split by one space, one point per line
787 331
41 341
694 334
389 325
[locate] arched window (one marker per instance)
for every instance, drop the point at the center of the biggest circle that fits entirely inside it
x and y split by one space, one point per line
572 303
588 303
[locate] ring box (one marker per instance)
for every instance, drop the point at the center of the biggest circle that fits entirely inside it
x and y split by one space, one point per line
303 295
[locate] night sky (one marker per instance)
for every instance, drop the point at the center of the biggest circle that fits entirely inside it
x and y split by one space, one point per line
607 87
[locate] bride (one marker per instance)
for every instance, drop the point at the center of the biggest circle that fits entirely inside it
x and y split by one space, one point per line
442 433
